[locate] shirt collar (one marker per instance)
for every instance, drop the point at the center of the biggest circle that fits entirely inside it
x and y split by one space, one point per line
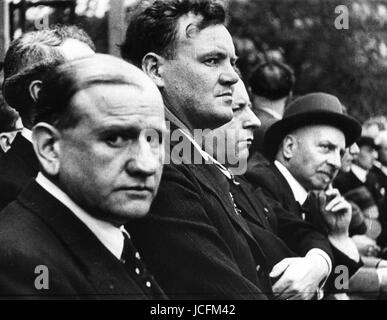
110 235
26 133
275 114
359 172
299 192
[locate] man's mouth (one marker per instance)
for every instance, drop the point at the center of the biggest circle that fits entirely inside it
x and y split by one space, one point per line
137 189
225 94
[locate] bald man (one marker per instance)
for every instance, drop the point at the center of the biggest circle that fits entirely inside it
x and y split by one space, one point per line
64 237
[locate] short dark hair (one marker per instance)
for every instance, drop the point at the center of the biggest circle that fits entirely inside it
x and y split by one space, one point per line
27 59
273 80
62 82
153 28
33 47
8 117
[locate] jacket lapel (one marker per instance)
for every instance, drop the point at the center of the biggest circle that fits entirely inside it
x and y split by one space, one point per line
252 205
210 177
91 255
287 193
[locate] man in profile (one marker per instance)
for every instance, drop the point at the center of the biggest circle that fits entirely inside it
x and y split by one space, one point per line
99 169
194 238
26 60
272 86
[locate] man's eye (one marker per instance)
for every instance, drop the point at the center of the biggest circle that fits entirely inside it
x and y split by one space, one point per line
212 61
325 148
116 140
154 138
237 108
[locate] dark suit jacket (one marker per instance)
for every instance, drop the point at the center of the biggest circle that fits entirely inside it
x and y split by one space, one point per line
260 215
193 240
38 230
299 235
266 121
17 167
346 181
256 150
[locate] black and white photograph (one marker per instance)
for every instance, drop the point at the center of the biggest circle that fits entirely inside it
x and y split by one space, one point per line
193 154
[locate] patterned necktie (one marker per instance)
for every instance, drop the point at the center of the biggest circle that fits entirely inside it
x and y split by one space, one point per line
135 266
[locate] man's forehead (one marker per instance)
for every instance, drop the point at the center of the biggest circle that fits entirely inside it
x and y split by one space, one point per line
117 99
321 132
188 30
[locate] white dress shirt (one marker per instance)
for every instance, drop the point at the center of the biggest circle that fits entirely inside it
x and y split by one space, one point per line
299 192
109 235
272 112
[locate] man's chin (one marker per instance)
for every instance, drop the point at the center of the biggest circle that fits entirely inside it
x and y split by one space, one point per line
134 210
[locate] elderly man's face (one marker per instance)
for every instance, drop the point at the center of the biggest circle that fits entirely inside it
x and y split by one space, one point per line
199 79
230 143
317 155
111 161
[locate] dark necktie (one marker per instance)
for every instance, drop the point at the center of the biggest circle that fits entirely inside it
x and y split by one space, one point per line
135 266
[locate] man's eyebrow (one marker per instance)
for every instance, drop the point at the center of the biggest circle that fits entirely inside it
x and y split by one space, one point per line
118 128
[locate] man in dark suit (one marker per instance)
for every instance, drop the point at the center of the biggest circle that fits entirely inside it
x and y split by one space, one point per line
193 239
24 64
64 237
272 88
294 277
201 245
306 149
356 186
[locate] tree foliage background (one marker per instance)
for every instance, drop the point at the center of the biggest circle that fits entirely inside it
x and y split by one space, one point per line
349 63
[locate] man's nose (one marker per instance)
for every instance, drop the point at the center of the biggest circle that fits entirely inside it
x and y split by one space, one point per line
229 75
146 160
250 120
334 159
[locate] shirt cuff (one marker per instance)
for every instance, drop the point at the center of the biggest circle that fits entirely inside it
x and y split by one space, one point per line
324 255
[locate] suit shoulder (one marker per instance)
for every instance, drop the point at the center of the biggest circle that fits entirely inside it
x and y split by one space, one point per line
261 174
23 232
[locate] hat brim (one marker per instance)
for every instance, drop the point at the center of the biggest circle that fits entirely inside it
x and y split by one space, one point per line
277 131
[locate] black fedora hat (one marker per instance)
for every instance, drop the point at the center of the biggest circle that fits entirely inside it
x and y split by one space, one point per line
311 109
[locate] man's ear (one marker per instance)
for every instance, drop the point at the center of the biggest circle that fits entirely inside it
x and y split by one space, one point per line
289 144
153 66
34 89
46 140
5 141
